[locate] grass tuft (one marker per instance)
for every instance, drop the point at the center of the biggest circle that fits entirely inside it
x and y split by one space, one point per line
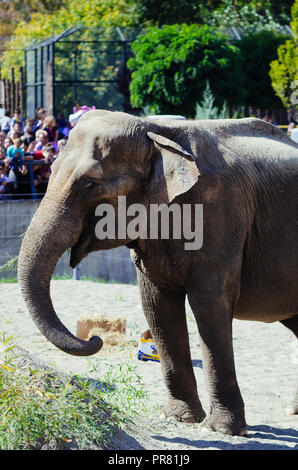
38 407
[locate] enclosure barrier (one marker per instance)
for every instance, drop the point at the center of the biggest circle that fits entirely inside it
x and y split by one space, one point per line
15 216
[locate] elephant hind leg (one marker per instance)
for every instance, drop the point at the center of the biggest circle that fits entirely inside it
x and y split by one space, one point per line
292 324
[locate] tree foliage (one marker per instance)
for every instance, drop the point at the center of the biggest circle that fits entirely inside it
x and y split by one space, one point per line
14 11
91 14
284 70
172 64
240 12
252 16
258 50
160 12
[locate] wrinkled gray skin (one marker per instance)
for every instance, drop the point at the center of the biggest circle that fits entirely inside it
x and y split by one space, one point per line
245 172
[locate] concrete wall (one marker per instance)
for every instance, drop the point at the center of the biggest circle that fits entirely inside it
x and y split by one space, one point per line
15 217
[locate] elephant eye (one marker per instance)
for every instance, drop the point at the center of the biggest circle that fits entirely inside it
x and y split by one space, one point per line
90 184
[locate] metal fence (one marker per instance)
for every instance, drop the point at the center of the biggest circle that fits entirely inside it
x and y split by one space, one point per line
25 186
78 66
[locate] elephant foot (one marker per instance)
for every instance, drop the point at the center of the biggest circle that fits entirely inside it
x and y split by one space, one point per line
188 412
226 424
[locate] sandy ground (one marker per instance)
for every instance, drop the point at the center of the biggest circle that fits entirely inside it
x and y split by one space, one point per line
266 359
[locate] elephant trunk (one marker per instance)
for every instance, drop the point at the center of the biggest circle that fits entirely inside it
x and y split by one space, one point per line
46 239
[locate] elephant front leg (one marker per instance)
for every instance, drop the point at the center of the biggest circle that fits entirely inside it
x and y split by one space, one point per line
213 314
166 317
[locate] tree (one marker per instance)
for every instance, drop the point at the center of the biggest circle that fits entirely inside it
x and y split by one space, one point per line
161 12
92 14
258 50
172 65
14 11
284 70
248 17
207 110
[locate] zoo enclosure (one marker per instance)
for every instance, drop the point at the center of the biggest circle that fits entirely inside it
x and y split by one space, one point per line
76 67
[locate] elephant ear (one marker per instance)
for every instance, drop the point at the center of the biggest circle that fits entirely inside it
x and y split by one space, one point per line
174 170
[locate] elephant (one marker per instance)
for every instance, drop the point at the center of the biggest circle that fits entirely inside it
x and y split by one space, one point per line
244 173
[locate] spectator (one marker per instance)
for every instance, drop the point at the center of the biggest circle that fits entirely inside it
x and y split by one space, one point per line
291 126
63 127
61 144
28 129
2 153
42 139
7 143
15 150
2 138
49 153
6 185
16 129
43 172
31 140
50 127
17 118
15 156
24 147
40 114
29 123
5 123
30 149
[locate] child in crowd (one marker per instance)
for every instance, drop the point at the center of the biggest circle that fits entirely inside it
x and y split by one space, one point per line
14 134
15 150
17 118
15 157
7 143
16 128
28 129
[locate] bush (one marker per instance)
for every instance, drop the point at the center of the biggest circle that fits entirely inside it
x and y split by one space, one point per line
258 50
172 65
284 70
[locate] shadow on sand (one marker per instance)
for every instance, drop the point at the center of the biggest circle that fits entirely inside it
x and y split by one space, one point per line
283 436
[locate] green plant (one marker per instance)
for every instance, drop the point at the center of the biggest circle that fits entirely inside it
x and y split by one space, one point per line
207 109
172 65
250 17
284 70
258 50
37 406
11 264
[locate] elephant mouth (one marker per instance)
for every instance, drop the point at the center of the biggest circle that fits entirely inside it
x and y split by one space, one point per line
77 253
80 249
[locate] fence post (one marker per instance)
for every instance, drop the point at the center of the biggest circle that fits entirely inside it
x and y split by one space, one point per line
76 273
22 90
7 95
12 92
31 174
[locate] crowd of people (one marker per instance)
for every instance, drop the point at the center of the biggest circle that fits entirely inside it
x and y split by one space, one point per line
30 140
